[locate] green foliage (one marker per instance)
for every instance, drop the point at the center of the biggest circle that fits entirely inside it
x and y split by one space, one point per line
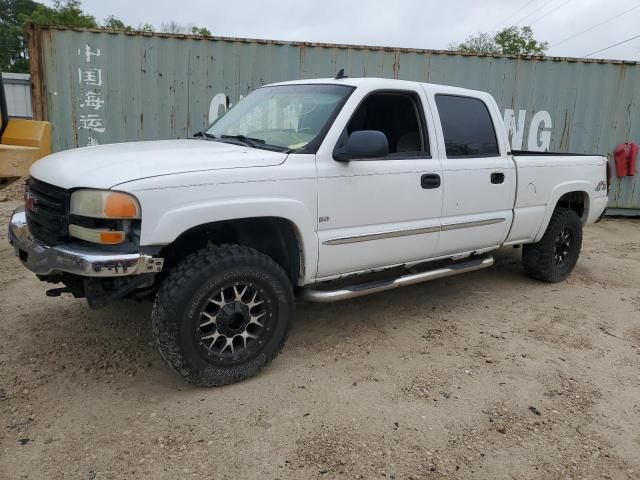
11 10
147 28
200 31
65 14
519 41
115 24
508 41
16 14
480 43
14 56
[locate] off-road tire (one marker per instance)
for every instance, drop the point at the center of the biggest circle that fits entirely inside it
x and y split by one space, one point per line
177 317
538 258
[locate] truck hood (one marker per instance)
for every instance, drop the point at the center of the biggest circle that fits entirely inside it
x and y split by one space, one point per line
108 165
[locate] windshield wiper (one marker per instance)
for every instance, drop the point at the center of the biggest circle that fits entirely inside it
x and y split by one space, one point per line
251 142
204 135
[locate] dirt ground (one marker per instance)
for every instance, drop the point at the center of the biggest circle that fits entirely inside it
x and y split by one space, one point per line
488 375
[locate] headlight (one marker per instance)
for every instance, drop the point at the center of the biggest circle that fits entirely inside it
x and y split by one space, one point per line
104 204
114 211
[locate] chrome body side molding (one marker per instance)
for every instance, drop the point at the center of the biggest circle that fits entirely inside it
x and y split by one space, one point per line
413 231
478 223
380 236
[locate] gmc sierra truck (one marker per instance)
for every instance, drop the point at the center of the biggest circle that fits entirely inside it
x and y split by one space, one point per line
321 189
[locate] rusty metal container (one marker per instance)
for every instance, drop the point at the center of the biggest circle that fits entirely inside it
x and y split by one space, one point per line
102 87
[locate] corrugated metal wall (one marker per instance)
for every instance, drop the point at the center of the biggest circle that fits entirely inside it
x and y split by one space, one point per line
100 87
17 88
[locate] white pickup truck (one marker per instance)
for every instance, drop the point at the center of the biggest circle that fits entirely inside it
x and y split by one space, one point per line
322 189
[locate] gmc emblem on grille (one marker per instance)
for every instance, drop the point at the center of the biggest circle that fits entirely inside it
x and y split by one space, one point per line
30 202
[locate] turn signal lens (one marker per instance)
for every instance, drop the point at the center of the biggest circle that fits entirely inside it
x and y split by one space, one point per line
111 238
95 235
120 205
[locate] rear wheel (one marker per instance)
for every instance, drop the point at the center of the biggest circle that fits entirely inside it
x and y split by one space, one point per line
553 258
222 314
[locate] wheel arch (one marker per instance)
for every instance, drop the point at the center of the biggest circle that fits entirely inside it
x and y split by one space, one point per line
163 228
277 237
572 195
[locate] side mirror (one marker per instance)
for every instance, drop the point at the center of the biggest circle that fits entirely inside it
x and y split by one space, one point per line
361 145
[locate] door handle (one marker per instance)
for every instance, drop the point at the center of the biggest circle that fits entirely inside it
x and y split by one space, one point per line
430 180
497 177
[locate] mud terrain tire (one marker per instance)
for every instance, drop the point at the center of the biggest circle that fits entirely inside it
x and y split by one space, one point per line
553 258
222 314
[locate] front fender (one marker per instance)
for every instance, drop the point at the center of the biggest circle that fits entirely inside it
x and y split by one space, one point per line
172 223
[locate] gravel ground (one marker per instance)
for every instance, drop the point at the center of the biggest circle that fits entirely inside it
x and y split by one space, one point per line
14 191
487 375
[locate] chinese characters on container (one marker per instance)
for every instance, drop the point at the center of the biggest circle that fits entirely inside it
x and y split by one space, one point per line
91 102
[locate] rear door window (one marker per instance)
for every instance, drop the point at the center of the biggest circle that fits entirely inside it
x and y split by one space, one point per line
467 127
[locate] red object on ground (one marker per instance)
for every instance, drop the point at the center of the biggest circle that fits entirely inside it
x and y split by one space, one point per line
626 157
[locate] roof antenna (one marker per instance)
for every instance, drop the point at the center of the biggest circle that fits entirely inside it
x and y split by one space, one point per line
340 74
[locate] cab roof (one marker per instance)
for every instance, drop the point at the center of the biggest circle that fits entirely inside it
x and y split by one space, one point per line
382 83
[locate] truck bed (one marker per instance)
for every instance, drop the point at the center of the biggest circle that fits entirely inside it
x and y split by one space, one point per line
531 153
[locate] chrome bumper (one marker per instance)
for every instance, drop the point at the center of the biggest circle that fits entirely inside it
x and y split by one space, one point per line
74 258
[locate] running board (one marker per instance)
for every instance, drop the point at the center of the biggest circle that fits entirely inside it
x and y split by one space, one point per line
353 291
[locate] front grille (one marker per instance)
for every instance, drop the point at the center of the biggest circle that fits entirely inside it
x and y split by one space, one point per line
47 209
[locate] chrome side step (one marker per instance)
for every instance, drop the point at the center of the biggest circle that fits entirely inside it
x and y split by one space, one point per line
315 295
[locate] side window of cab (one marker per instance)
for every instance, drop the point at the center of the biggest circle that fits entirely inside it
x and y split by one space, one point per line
396 114
467 127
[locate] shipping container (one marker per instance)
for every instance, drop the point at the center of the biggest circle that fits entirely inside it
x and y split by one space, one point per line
101 87
17 88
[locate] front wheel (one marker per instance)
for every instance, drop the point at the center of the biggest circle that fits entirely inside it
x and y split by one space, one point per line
553 258
222 314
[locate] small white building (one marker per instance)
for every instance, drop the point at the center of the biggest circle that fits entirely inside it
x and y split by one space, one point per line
17 87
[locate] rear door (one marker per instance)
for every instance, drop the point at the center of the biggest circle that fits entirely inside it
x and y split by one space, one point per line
478 177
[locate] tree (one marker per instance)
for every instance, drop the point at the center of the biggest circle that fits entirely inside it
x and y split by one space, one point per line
519 41
513 40
480 43
66 14
14 56
175 27
16 14
115 24
146 27
205 32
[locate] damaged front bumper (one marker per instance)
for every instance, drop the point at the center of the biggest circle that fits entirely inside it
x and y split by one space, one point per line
74 258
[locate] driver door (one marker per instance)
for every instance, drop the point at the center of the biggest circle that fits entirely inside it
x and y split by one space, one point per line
376 213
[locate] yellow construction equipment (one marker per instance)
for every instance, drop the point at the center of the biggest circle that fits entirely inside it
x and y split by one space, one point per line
22 142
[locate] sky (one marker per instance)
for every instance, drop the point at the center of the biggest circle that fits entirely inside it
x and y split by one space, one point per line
428 24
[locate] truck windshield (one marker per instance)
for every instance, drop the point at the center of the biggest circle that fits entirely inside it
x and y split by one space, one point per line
281 117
